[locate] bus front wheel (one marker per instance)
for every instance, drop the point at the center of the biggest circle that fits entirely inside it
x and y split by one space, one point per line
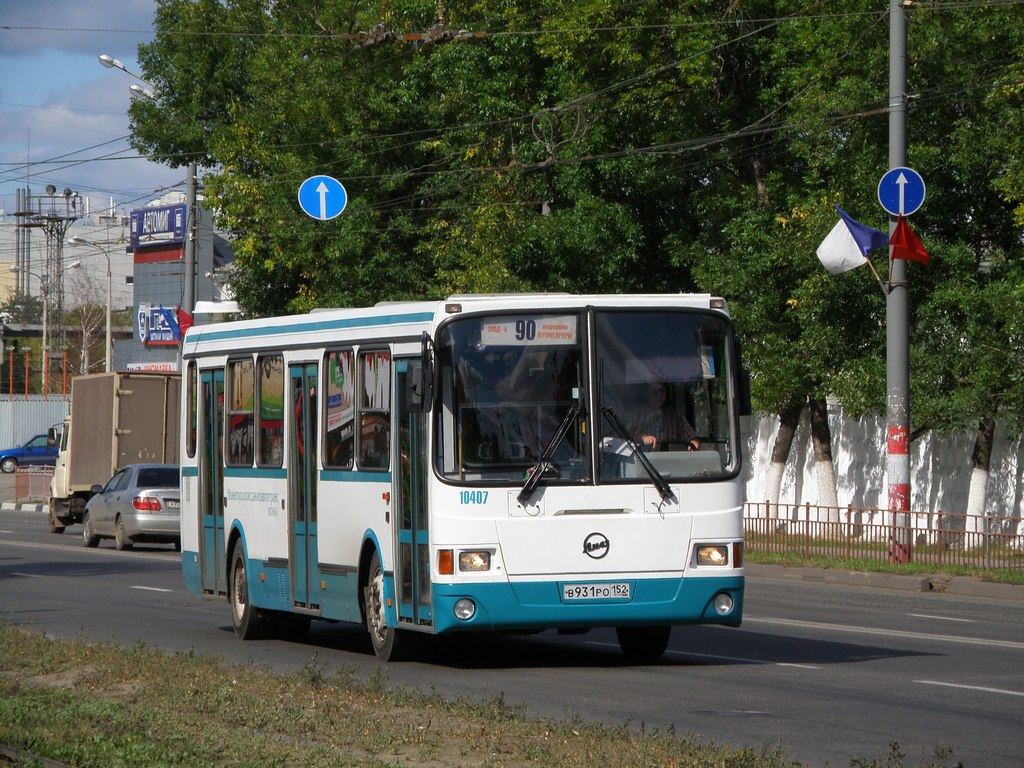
643 643
388 643
249 621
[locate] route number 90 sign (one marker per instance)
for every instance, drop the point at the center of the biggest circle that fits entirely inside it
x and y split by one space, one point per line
529 330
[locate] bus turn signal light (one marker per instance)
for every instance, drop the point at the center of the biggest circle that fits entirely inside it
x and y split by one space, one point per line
445 562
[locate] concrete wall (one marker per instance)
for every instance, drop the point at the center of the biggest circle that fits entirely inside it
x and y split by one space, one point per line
940 468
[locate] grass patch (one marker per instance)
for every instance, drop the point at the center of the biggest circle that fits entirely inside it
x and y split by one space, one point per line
88 704
799 559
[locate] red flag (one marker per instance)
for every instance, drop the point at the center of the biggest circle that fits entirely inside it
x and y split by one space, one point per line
184 321
905 244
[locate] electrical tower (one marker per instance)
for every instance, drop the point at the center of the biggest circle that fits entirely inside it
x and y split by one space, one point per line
53 214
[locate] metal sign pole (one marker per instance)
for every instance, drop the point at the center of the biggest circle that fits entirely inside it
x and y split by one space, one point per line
897 303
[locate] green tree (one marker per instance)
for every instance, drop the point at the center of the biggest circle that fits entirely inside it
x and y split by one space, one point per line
520 145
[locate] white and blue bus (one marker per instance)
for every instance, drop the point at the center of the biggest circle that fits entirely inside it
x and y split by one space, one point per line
481 464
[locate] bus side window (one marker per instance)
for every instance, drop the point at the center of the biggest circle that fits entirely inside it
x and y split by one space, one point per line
191 388
270 434
375 409
339 437
242 383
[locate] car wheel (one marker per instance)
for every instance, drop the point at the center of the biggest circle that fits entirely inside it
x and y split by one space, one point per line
250 622
89 538
389 644
8 465
121 540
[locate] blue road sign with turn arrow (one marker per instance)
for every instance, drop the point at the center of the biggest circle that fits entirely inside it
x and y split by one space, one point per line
322 197
901 191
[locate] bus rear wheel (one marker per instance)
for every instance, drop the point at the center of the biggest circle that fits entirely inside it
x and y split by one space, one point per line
248 621
389 644
643 643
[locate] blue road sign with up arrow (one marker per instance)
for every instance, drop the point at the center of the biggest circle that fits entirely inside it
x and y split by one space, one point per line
901 191
322 197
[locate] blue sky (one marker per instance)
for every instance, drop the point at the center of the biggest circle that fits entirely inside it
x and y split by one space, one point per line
63 116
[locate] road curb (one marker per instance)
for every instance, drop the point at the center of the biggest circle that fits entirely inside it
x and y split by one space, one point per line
961 586
21 506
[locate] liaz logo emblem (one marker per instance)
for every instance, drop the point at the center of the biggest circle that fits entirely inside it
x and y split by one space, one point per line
596 545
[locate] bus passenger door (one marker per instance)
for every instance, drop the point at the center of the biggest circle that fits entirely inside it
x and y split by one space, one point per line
412 566
212 558
302 480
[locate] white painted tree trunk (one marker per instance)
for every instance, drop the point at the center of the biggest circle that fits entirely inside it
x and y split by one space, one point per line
976 499
825 472
773 485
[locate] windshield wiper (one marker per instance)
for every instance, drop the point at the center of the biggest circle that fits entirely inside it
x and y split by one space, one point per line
659 479
545 457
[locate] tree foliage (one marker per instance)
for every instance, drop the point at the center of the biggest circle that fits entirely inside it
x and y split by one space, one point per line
508 145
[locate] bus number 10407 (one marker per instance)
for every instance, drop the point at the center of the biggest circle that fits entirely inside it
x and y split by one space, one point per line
473 497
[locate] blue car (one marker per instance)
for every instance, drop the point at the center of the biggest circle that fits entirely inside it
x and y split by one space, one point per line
39 450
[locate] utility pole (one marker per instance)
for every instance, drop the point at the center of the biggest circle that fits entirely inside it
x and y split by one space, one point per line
191 211
897 364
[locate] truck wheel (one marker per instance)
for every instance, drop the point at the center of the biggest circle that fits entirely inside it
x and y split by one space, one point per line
121 540
8 465
249 621
89 538
56 525
389 643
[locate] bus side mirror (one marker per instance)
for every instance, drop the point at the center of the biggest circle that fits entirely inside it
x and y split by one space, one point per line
419 387
745 404
52 435
746 407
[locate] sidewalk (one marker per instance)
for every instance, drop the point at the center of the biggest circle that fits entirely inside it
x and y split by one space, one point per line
961 586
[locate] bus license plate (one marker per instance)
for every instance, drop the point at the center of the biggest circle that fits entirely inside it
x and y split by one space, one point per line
615 590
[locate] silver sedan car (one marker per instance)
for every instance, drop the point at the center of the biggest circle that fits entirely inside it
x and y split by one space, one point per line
140 503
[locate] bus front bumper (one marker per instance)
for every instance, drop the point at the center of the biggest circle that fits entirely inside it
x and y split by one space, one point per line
538 605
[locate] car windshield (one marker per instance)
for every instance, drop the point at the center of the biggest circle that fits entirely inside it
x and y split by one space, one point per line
158 477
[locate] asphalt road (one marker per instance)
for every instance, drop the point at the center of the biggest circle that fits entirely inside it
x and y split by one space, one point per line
828 671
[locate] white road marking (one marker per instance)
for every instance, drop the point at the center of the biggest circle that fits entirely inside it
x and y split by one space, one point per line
153 589
28 575
939 618
981 688
888 633
717 657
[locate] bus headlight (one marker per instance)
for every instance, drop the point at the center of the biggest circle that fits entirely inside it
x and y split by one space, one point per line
712 554
723 603
464 609
474 561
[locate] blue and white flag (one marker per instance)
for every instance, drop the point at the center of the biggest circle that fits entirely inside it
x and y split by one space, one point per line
848 243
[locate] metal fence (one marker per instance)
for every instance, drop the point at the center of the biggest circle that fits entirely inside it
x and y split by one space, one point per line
940 539
32 483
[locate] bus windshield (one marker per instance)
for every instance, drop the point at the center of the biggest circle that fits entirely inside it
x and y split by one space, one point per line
508 382
651 381
664 389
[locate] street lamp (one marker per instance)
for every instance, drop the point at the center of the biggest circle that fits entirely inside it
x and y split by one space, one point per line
189 280
111 63
76 240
